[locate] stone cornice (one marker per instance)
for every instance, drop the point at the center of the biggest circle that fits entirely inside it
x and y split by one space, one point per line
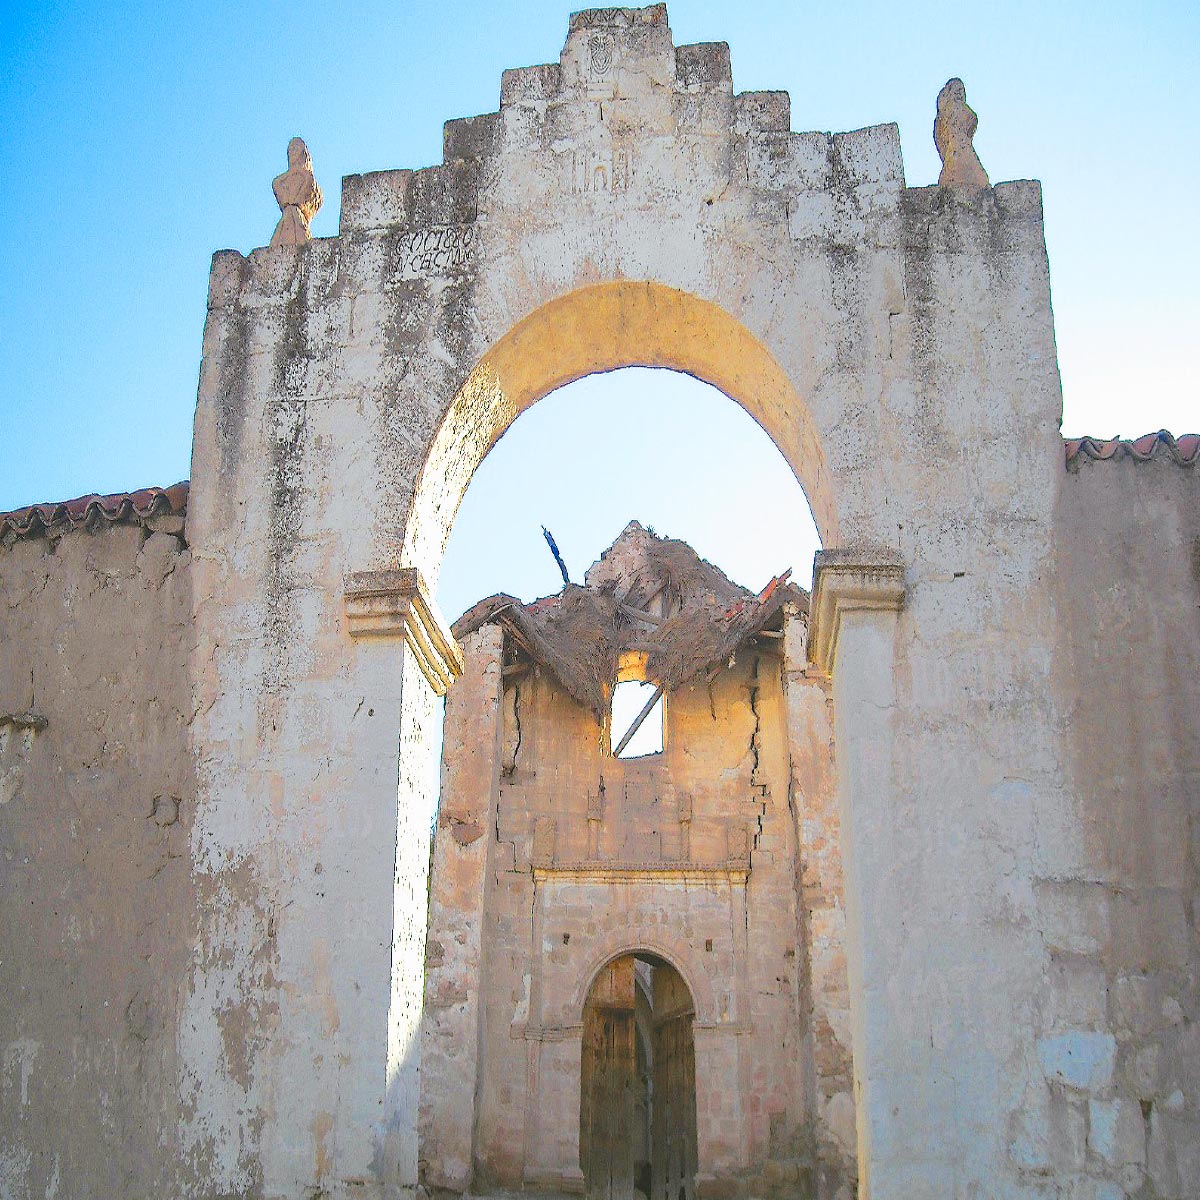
532 1032
849 580
24 720
605 871
397 604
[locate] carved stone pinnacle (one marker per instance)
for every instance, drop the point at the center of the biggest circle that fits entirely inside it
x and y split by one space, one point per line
953 133
298 196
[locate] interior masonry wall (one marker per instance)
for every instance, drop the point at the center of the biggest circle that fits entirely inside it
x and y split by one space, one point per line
96 801
552 858
828 1075
460 887
1120 1012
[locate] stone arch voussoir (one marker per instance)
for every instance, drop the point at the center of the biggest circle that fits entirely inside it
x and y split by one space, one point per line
634 941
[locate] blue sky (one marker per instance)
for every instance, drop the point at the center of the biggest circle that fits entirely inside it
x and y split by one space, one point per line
635 443
137 139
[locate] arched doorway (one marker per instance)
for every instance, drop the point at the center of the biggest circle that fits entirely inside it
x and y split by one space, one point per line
637 1102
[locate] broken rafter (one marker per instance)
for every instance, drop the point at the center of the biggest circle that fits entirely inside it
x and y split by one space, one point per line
510 627
648 599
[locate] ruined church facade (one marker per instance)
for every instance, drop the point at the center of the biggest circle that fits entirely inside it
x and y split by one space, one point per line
217 701
563 869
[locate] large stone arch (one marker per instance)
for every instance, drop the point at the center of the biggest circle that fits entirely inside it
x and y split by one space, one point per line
896 343
597 328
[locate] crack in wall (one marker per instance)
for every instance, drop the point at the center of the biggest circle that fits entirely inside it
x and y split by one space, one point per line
509 768
763 790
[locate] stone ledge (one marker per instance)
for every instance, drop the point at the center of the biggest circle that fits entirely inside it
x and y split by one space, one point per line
24 720
1013 198
605 871
849 580
397 604
532 1032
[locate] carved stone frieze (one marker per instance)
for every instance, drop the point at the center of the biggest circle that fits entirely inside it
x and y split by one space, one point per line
733 870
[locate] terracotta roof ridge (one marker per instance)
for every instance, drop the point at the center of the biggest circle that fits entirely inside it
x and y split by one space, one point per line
94 511
1183 450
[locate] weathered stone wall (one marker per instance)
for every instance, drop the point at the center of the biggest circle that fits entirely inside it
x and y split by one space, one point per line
96 802
821 907
624 207
1120 1010
461 884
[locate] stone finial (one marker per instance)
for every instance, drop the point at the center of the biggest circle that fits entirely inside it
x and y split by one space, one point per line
953 130
298 196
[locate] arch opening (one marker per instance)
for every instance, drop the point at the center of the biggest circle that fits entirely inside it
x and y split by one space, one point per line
637 1103
594 330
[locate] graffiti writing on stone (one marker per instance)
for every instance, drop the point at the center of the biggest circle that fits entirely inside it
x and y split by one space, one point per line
441 250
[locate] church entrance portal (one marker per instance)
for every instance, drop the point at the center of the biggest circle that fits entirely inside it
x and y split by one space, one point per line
637 1103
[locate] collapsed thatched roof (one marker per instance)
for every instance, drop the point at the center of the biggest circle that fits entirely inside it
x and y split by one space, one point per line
580 634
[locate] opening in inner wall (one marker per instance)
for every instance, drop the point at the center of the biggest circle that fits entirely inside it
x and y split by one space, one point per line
636 719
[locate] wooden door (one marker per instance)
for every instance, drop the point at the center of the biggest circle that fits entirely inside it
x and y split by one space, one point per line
674 1158
608 1078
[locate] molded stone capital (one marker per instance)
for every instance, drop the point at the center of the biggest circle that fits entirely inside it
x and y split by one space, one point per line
849 580
397 604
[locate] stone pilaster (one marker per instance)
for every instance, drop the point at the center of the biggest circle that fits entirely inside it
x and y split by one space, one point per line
853 580
857 595
451 1034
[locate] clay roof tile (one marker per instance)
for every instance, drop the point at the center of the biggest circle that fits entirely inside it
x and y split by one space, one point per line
93 512
1184 451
